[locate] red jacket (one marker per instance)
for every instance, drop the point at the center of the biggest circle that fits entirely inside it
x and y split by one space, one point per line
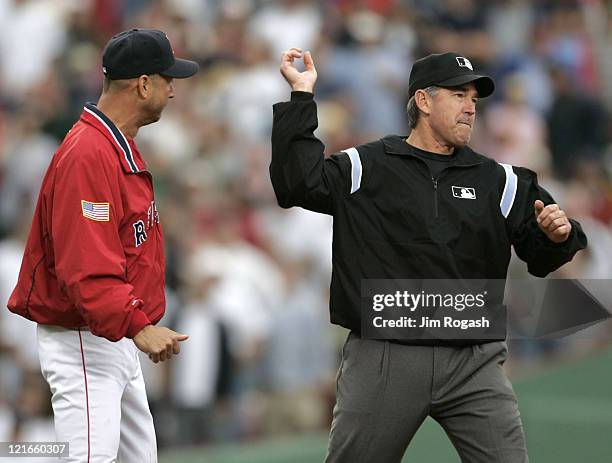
94 256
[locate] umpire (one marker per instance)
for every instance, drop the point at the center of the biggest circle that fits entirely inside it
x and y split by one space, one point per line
422 206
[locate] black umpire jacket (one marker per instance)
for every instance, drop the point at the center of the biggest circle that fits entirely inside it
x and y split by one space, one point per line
393 220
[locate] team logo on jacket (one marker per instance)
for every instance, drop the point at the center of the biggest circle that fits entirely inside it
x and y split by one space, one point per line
140 234
141 227
464 192
152 215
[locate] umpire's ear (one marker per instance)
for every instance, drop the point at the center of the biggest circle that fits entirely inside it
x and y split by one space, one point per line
423 101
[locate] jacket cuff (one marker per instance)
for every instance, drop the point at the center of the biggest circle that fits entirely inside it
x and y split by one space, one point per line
568 246
302 96
138 322
574 242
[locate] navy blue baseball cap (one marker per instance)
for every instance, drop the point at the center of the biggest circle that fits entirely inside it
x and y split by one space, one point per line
447 70
136 52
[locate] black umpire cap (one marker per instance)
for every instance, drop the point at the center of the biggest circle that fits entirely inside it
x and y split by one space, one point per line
447 70
136 52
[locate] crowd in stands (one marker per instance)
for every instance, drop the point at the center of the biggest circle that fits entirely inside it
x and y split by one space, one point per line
247 280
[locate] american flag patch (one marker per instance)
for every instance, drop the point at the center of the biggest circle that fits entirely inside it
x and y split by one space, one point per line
95 211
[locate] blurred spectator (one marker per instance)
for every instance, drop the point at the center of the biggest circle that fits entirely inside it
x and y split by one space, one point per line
461 25
26 163
299 355
510 23
373 70
577 125
196 374
515 133
287 23
24 61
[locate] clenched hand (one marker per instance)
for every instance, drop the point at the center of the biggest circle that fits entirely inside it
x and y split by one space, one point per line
552 221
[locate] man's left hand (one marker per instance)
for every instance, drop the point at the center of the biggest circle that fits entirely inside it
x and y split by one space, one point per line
552 221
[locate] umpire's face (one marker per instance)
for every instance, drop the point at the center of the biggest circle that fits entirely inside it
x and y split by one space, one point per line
451 114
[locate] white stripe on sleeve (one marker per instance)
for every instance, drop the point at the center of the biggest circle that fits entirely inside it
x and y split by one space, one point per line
507 199
356 168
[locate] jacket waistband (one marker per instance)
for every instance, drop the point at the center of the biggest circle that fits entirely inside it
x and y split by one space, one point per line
62 328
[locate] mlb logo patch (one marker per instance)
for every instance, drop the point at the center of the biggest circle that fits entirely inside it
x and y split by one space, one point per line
464 192
100 212
464 63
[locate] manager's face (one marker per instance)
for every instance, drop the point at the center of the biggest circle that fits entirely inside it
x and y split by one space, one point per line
452 114
161 90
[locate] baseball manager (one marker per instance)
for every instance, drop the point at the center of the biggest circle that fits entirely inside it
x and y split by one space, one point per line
92 276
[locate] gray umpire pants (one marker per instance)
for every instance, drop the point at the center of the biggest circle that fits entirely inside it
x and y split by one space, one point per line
386 390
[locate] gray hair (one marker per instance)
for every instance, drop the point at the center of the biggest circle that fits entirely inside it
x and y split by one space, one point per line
412 110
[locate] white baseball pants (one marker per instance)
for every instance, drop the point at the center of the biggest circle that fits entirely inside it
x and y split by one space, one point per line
99 398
